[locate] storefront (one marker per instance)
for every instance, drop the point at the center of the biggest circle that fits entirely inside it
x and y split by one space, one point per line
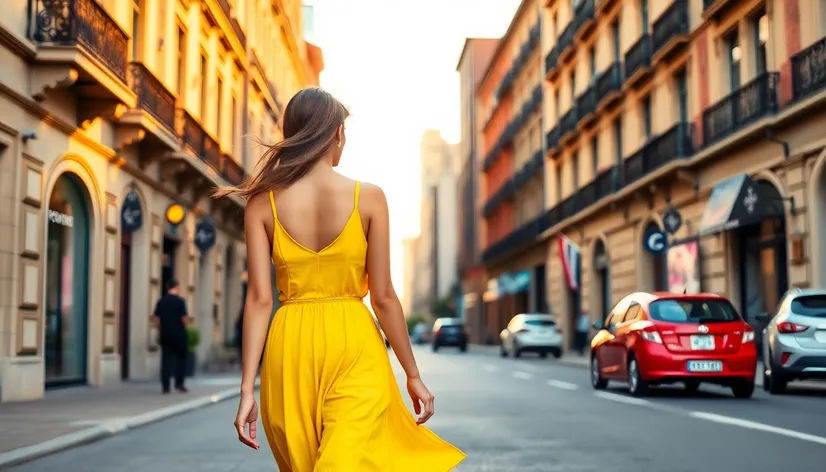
67 282
507 296
752 214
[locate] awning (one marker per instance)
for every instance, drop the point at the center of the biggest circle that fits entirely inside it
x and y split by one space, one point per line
739 201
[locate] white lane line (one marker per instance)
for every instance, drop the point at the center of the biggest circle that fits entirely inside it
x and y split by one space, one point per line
562 385
522 375
622 399
758 426
490 367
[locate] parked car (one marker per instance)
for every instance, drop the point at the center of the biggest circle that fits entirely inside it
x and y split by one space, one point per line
449 332
420 334
650 339
537 333
794 340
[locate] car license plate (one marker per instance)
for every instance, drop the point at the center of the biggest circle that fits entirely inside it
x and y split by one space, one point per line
704 366
702 343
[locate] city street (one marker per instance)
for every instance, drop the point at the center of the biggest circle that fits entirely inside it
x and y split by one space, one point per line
525 414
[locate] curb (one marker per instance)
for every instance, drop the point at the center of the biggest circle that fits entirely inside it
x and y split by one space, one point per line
109 428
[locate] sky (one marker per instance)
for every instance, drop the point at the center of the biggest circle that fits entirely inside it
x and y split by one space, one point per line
393 64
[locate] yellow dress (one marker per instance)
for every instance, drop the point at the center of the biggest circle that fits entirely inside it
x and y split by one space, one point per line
329 399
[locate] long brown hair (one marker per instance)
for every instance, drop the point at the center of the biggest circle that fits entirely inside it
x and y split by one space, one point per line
311 120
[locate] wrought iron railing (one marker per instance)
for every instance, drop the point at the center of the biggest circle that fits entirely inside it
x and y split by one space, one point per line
568 121
552 59
675 143
85 23
153 97
525 234
673 22
749 103
586 103
609 81
566 39
709 3
552 138
584 12
499 196
198 141
809 70
638 56
525 52
232 171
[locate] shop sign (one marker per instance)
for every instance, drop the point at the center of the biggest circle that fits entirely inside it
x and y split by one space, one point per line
654 240
672 220
131 215
204 235
61 219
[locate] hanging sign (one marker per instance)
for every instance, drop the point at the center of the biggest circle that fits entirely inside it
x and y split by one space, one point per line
204 235
654 240
569 254
131 216
672 220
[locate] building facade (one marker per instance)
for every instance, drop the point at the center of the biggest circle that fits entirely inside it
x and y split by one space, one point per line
117 119
436 246
512 187
473 62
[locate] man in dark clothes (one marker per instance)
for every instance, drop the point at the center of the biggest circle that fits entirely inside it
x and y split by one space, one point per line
171 319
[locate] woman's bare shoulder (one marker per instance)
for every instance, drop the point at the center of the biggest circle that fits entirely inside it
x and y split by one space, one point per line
258 206
372 196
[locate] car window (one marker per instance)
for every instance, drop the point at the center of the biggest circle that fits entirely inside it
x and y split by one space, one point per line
693 311
810 305
632 313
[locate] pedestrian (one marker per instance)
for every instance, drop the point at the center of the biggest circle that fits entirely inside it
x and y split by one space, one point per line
329 399
171 320
583 325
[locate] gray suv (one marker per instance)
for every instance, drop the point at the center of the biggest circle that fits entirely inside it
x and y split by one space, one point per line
794 340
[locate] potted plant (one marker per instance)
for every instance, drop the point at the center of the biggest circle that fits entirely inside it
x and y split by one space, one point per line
193 337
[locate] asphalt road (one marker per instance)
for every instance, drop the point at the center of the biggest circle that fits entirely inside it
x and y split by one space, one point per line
520 415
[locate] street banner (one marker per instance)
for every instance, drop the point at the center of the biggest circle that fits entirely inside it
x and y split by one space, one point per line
569 254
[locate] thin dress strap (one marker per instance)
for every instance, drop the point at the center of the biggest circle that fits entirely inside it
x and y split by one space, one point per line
272 204
356 197
275 222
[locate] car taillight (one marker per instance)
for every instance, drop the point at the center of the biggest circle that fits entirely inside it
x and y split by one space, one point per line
784 358
650 334
748 336
788 327
438 332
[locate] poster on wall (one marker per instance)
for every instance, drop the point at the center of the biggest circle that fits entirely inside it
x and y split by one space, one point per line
684 267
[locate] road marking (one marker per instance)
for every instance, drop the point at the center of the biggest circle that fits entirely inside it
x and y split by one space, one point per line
758 426
522 375
622 399
490 367
562 385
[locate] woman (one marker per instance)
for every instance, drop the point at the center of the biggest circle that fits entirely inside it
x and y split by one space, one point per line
329 400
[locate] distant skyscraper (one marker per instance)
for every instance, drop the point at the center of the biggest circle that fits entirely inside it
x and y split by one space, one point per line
308 15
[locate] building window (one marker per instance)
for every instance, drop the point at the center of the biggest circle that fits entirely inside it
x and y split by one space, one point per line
592 63
181 61
219 101
595 154
615 30
761 39
559 181
618 139
682 96
644 15
734 55
136 29
575 164
646 115
204 88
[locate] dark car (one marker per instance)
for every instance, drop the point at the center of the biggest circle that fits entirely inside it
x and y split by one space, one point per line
449 332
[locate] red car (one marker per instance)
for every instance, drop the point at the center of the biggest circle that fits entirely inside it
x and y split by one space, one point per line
656 338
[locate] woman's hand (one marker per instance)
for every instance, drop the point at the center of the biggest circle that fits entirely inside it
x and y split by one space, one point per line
247 415
422 399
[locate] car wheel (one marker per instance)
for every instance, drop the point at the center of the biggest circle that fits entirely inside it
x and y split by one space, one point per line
743 389
636 385
543 354
691 386
502 351
463 348
557 354
515 350
596 378
774 383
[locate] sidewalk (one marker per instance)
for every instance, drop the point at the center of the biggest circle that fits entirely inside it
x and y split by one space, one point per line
72 416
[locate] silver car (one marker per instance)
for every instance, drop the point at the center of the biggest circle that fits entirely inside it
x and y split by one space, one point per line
531 333
794 340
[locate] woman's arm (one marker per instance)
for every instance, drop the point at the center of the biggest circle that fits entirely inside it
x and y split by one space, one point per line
258 305
383 297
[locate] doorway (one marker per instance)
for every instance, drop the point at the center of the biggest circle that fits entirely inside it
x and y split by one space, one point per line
125 302
170 250
602 285
653 270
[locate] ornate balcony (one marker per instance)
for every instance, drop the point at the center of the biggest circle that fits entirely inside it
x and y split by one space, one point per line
529 170
525 52
80 35
809 71
552 141
584 14
603 6
586 105
676 143
552 62
153 97
517 240
232 172
609 86
744 106
565 43
670 32
716 8
638 61
567 124
502 194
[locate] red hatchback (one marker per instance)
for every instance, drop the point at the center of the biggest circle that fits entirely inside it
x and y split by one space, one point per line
650 339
